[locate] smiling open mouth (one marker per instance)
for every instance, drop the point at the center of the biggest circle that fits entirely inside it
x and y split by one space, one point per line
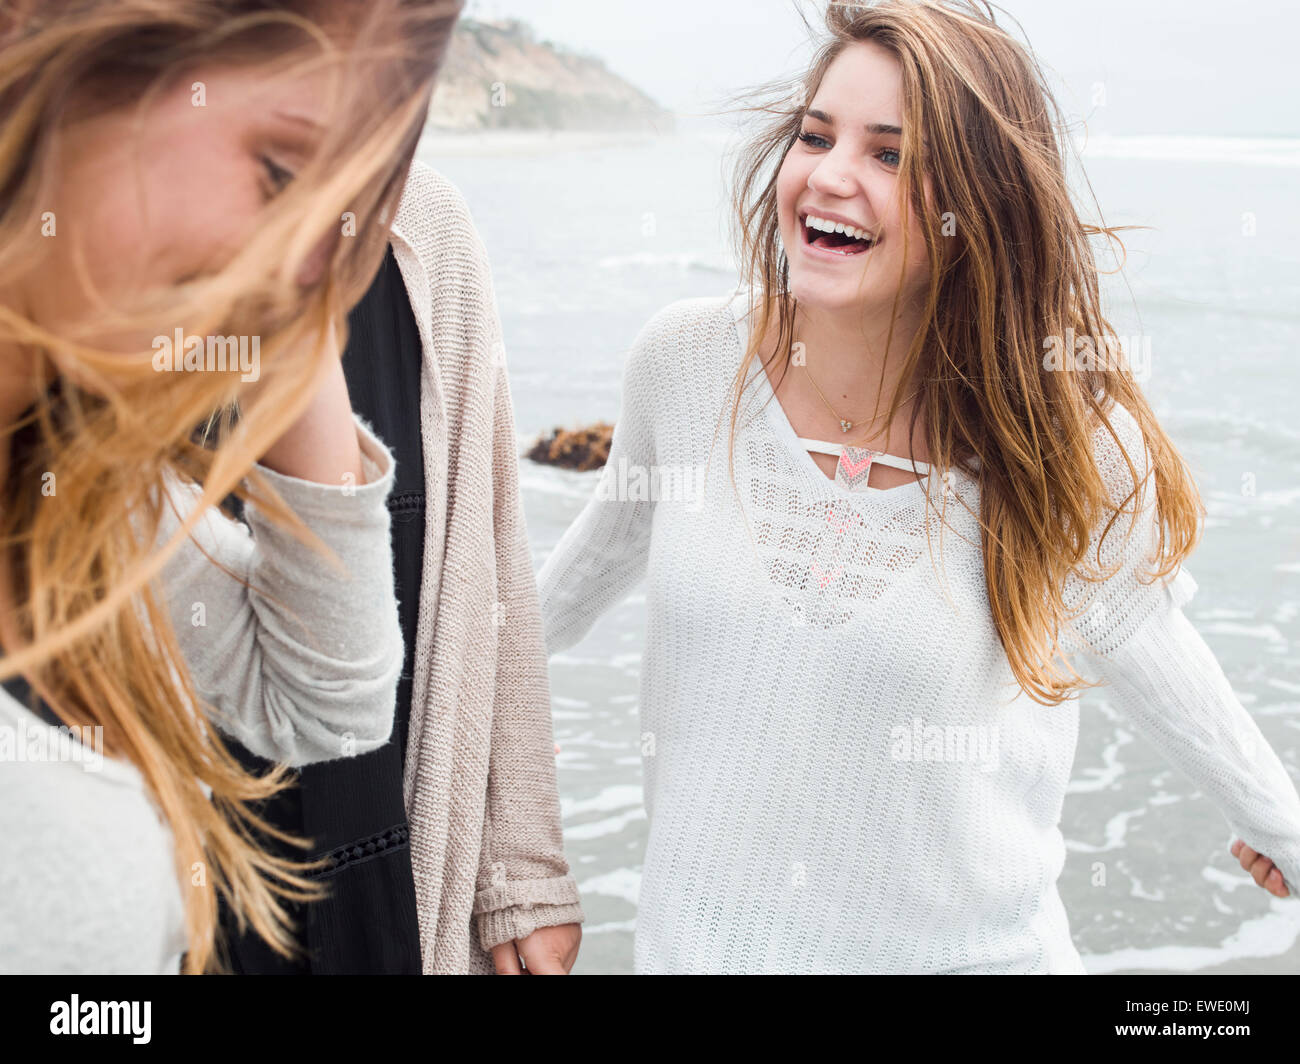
836 236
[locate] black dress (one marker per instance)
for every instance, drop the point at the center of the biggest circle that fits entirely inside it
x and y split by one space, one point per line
21 691
352 808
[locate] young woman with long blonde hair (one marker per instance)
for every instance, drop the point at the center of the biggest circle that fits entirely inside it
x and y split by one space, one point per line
934 520
171 308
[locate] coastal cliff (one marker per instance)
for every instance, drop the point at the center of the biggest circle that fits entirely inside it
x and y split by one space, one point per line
497 75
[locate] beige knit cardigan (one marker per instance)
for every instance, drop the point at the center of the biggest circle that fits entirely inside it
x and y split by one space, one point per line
479 783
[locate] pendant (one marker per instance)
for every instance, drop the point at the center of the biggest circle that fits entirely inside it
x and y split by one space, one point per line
845 425
854 467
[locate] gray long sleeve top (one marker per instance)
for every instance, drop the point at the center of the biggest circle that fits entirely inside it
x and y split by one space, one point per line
306 672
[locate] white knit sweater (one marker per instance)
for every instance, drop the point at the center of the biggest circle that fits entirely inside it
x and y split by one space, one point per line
841 774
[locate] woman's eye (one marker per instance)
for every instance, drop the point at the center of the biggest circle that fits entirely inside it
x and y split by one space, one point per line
893 152
813 140
277 176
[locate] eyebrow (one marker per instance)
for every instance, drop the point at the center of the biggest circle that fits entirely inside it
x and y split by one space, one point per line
298 120
879 128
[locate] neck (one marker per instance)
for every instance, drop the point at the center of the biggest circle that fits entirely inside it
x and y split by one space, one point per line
852 357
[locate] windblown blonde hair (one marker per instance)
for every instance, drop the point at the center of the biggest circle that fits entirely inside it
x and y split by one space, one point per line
97 640
981 122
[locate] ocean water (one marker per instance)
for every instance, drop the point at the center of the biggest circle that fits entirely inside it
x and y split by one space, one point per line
589 236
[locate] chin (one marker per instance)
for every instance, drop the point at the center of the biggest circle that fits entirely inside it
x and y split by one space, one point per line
820 293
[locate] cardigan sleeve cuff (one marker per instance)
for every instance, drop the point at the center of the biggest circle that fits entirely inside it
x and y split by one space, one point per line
515 910
510 925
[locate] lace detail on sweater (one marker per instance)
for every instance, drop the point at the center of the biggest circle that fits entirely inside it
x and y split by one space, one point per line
826 553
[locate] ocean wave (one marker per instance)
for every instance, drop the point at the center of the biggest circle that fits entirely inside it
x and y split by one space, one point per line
1267 436
1271 935
624 883
618 796
604 828
682 262
1235 151
550 480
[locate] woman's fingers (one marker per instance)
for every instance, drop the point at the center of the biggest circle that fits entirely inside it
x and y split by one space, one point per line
1260 867
1255 863
1262 870
505 959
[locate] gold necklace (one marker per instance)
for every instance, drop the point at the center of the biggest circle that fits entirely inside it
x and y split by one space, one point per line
845 423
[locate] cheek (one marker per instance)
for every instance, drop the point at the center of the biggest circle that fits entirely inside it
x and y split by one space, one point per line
149 216
918 256
98 246
791 180
132 223
203 202
901 221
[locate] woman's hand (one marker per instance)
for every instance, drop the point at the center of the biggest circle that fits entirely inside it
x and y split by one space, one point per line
547 951
1264 871
322 445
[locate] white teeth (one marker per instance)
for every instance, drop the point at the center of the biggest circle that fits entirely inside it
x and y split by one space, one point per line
826 226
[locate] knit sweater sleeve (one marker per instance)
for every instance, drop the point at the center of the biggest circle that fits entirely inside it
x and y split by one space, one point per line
1160 673
603 554
296 660
523 881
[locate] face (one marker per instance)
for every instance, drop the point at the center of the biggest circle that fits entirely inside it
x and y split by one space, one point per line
839 191
151 198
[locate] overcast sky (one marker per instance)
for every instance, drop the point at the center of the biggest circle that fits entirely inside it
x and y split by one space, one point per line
1197 67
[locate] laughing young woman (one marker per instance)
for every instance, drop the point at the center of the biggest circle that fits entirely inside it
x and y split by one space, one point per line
921 524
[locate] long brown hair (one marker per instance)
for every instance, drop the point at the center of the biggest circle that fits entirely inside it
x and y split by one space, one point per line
97 640
982 124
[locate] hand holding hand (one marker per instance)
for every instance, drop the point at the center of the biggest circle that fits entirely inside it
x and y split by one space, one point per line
547 951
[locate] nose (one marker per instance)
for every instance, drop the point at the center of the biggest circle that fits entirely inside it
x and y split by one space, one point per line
832 176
